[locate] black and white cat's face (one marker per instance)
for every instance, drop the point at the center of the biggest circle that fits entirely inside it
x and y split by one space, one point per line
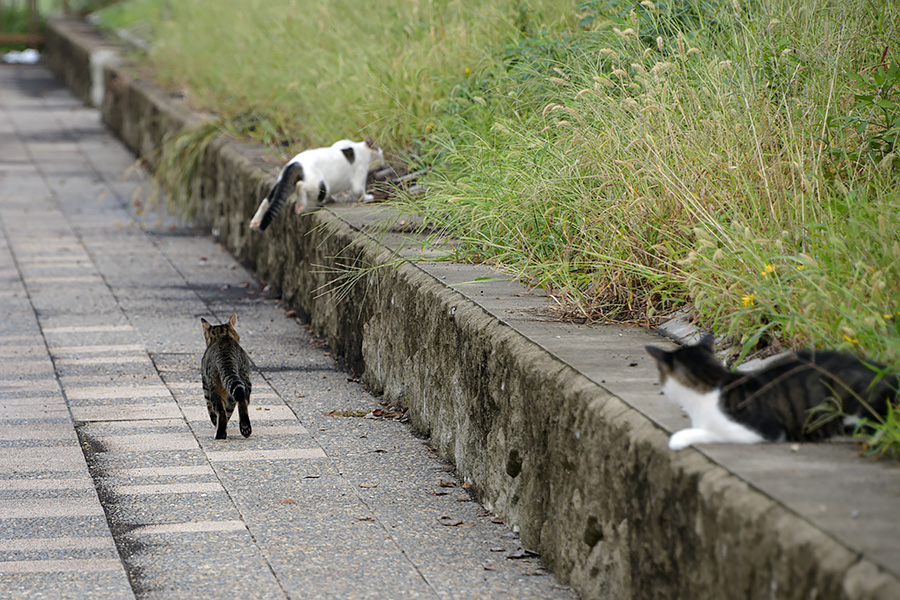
694 367
376 158
692 378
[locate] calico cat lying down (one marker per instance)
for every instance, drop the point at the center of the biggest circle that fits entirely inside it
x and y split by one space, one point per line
320 173
772 404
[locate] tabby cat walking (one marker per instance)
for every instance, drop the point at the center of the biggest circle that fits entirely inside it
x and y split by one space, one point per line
225 369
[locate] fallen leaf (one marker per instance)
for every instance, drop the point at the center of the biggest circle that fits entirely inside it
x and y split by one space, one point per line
311 477
512 535
446 483
523 553
497 549
487 568
466 485
288 502
368 485
439 493
497 521
347 413
449 521
291 313
364 519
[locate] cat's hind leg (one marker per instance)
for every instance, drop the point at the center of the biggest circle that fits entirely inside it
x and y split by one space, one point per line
302 199
244 417
256 221
323 196
209 405
221 421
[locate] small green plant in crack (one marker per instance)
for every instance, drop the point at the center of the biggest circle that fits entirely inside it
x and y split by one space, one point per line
178 168
880 437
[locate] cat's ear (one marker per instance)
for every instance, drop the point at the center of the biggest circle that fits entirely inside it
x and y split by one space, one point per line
371 143
658 354
205 324
708 341
232 321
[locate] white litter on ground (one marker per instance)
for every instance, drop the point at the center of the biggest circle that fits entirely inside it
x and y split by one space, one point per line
25 57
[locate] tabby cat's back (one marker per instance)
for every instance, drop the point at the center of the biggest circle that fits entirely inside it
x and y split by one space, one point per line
225 372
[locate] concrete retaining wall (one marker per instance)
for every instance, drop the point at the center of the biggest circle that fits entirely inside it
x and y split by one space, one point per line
587 479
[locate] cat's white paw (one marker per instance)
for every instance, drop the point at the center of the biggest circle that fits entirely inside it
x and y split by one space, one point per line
688 437
368 197
254 224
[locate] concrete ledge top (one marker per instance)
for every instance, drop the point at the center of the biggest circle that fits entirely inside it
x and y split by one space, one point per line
851 502
853 499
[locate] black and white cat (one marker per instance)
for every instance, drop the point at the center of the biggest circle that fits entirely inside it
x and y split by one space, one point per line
322 174
773 403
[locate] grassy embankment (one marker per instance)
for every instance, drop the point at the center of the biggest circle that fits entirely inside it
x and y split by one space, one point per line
736 157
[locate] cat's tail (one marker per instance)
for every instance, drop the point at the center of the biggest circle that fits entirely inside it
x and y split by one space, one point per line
290 175
235 386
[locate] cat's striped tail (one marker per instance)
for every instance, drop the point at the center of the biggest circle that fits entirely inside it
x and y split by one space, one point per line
290 175
238 391
232 382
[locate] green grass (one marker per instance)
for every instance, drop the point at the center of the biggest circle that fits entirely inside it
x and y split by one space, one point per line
736 158
307 73
707 167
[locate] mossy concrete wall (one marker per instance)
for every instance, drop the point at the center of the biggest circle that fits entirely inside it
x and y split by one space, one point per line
587 479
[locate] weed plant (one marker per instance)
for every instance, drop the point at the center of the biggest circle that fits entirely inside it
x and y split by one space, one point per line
740 158
299 73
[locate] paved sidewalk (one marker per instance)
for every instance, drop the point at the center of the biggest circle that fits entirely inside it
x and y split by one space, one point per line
111 484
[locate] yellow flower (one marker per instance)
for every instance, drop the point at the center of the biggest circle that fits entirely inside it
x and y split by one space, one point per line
800 267
851 340
468 70
748 299
768 270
